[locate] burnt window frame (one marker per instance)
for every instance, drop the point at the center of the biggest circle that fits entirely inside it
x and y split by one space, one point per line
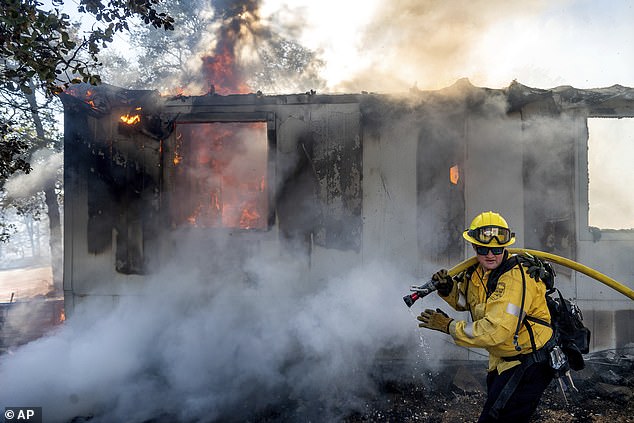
225 117
585 231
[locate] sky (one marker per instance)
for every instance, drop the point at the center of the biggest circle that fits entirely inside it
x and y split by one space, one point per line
391 46
394 45
611 204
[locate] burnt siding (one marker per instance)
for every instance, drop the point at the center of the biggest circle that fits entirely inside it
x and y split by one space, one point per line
120 167
86 162
337 160
441 204
624 328
105 184
296 203
549 182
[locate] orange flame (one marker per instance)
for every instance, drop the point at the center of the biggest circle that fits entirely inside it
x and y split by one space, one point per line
454 174
178 158
249 217
221 69
131 119
86 95
220 175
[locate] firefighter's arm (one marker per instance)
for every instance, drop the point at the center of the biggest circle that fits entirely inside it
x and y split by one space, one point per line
499 321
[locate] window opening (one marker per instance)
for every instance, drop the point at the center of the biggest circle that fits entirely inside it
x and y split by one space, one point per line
610 152
220 175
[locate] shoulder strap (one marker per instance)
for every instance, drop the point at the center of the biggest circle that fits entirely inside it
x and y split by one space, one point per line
538 321
521 318
531 335
507 264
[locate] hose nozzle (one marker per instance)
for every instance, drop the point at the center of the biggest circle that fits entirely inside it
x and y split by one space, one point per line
419 292
411 299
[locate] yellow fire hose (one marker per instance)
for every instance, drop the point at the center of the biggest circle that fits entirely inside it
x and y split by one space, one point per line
559 260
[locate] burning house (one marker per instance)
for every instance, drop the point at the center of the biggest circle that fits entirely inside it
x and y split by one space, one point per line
338 180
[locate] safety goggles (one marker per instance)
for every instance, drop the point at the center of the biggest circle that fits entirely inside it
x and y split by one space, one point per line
486 234
483 251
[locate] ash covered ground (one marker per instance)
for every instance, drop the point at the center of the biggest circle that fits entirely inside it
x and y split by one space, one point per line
606 394
456 394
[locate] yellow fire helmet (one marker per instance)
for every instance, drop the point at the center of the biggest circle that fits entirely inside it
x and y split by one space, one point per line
489 229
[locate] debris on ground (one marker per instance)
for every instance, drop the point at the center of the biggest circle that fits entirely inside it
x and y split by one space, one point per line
606 395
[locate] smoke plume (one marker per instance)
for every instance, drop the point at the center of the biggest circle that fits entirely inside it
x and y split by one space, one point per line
202 343
46 166
428 44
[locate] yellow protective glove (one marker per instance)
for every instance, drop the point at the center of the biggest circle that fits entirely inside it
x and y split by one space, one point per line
436 320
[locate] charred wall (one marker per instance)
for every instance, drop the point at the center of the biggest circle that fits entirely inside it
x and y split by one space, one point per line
435 127
441 188
112 178
336 150
350 178
315 167
320 174
549 171
122 189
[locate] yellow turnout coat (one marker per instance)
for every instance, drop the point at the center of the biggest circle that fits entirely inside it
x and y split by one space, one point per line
494 319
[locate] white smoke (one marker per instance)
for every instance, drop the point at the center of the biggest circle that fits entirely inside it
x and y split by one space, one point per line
389 46
46 164
197 346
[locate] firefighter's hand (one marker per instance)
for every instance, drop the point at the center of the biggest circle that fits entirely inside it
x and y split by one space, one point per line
436 320
444 282
536 270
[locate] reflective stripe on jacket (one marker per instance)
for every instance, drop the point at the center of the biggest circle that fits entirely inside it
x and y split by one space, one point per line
495 318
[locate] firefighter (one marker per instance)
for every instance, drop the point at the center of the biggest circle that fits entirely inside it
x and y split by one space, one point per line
497 292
